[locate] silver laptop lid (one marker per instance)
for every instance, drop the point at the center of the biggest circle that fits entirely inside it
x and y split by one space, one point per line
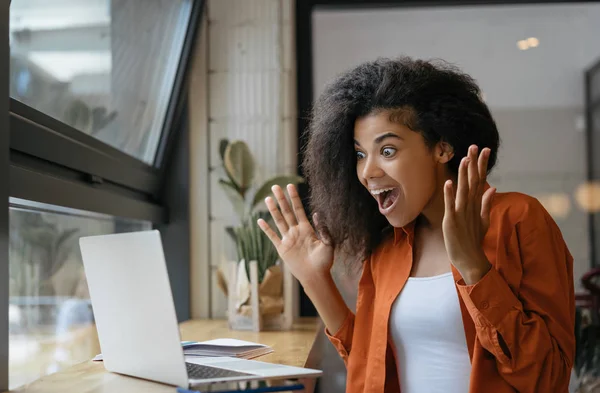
133 306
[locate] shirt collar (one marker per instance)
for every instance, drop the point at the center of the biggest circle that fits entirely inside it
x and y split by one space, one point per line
406 231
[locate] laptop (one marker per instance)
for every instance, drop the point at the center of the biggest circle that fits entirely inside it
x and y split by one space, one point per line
136 321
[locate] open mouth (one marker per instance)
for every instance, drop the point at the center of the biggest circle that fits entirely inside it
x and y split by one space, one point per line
387 200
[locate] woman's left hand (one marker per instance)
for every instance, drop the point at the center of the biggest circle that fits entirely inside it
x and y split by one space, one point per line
467 216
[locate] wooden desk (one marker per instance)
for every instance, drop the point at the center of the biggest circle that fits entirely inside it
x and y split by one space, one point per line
291 348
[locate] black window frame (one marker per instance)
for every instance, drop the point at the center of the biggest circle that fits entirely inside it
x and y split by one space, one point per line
592 105
98 177
4 191
45 160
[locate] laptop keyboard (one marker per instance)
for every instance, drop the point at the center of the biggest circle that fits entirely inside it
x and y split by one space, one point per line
199 371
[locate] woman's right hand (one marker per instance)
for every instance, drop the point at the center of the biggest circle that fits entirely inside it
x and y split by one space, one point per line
307 256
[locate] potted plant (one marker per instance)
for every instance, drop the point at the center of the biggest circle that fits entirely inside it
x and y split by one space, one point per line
254 283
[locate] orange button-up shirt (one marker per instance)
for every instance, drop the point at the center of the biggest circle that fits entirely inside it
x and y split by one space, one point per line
518 319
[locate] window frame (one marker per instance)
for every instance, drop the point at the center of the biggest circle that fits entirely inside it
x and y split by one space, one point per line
593 174
45 160
4 191
47 156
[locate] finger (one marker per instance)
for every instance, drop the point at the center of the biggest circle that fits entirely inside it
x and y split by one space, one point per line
280 222
462 191
297 203
484 158
269 232
449 198
473 172
486 207
287 212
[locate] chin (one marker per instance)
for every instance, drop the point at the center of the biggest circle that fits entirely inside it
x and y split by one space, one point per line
400 220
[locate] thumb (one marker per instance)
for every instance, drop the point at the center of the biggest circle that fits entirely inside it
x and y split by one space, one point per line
486 207
322 233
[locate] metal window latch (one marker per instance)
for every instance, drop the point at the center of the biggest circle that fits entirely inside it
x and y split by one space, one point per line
95 179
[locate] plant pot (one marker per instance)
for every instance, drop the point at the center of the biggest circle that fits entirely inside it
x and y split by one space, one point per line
259 306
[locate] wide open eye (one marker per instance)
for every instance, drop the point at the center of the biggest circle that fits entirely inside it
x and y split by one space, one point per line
388 152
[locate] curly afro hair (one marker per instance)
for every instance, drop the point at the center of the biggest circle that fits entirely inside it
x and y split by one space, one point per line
443 103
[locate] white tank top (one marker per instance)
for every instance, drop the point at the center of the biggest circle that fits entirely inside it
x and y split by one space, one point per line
429 338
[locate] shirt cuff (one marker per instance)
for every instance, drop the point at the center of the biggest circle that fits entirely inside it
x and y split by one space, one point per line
489 300
342 339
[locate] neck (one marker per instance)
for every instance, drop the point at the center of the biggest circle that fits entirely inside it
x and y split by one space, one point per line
432 216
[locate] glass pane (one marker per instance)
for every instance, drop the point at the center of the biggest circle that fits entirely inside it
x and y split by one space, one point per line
105 67
51 324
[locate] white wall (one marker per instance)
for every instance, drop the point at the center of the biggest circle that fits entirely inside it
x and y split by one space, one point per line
536 96
481 40
249 80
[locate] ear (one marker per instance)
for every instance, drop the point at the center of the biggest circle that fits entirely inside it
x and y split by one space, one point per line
444 152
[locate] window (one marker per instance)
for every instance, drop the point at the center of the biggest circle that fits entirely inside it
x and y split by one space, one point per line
97 106
104 67
51 324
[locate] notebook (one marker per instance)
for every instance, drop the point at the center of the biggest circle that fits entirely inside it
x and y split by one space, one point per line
221 347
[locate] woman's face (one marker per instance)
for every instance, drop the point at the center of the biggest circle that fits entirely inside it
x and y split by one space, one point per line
397 167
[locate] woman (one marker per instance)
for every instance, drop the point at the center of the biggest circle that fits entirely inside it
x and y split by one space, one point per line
463 289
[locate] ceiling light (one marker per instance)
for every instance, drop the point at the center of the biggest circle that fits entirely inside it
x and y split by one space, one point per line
533 42
557 204
587 196
523 44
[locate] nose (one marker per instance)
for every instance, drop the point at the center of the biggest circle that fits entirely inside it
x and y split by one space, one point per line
371 169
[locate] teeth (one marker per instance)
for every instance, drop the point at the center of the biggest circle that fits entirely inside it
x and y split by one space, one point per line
377 192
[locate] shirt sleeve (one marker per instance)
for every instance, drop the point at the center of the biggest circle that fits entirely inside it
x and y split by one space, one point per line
342 339
530 329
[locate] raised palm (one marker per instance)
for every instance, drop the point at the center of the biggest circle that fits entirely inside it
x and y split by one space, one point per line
299 246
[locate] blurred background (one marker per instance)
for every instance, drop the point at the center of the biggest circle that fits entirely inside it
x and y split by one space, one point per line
537 66
117 109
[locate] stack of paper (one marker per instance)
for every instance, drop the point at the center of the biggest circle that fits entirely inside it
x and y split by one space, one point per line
221 347
228 347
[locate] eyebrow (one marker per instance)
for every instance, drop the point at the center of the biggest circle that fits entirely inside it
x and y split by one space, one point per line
380 138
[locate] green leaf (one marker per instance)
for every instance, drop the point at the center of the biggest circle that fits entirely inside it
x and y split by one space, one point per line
231 232
265 190
253 245
234 197
239 164
223 143
265 215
